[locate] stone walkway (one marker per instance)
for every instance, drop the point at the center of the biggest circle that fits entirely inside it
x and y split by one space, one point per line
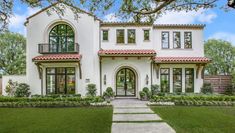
134 116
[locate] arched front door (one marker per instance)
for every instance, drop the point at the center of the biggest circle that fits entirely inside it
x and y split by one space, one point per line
125 82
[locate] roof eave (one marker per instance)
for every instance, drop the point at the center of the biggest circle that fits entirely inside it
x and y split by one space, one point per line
53 60
125 55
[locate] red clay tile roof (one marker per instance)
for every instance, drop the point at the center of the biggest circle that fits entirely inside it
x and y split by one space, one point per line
131 52
58 57
182 60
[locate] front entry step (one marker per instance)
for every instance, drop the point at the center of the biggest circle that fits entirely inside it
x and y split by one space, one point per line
132 110
160 127
135 117
126 97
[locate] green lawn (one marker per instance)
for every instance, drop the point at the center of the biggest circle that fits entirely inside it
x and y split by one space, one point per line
199 119
56 120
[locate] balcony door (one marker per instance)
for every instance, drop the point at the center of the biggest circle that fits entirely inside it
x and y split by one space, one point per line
61 39
125 82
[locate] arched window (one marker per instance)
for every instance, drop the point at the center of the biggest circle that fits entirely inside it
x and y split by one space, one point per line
61 39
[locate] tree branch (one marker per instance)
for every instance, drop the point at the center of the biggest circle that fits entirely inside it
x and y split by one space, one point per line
167 2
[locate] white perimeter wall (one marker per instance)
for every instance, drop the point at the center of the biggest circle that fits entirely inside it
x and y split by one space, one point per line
14 78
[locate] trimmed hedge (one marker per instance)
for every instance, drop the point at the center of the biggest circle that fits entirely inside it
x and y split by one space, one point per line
48 101
191 98
203 100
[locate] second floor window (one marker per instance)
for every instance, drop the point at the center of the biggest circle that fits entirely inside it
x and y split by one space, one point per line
165 40
176 40
61 39
146 35
131 35
120 36
187 39
105 35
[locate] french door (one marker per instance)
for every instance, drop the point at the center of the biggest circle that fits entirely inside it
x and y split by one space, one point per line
125 82
60 80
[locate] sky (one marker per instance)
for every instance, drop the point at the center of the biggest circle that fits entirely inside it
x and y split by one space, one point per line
219 23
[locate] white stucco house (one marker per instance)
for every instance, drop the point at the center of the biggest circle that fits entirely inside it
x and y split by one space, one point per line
65 54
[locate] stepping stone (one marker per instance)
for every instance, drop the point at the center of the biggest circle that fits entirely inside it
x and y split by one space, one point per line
132 110
160 127
140 106
135 117
131 106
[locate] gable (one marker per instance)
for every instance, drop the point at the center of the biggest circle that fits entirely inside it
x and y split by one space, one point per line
47 8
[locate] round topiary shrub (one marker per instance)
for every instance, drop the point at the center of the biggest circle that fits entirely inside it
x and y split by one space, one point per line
22 90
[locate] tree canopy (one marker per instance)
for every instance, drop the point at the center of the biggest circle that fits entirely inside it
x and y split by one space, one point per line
222 54
12 53
136 9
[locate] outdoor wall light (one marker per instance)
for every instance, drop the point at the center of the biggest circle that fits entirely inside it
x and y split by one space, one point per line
147 79
105 79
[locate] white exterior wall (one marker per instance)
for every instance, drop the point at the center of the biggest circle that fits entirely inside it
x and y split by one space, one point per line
86 34
140 43
141 67
155 41
197 43
14 78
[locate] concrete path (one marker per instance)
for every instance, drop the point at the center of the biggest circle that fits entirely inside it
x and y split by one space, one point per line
134 116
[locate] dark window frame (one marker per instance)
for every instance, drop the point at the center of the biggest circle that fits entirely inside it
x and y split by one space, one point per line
125 73
66 74
193 80
180 45
190 39
58 37
168 40
168 78
117 30
103 35
181 77
148 38
128 36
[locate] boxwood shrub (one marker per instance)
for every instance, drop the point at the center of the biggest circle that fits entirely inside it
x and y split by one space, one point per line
199 100
49 101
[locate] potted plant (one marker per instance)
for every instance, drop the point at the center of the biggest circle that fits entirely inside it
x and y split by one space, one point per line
109 94
142 95
145 94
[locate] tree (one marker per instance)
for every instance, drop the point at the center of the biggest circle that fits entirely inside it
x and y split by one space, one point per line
12 53
222 54
136 9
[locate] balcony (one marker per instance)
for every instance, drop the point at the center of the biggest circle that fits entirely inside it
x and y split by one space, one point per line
46 48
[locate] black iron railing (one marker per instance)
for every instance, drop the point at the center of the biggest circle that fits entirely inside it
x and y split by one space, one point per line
46 48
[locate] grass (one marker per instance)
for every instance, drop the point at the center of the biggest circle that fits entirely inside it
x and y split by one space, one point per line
56 120
198 119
